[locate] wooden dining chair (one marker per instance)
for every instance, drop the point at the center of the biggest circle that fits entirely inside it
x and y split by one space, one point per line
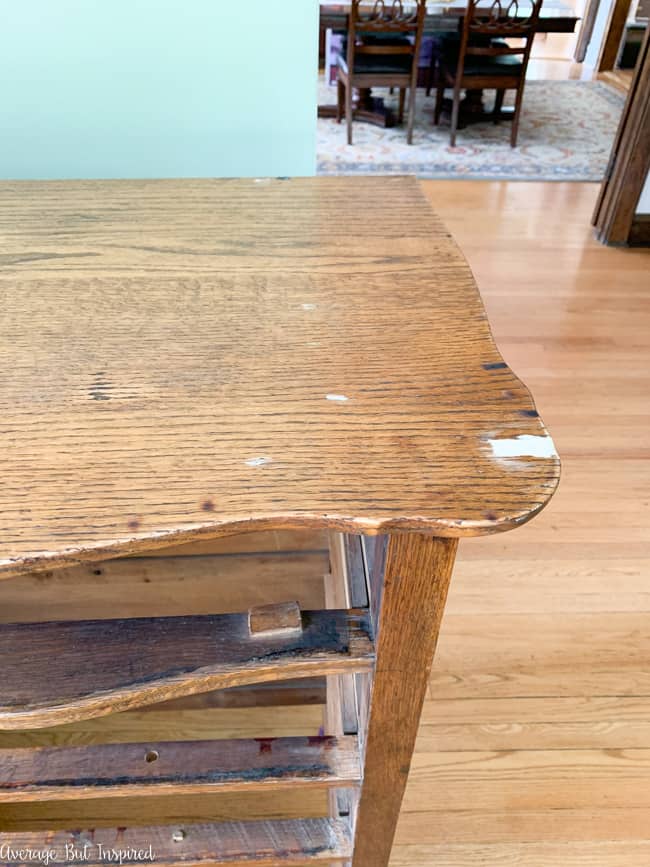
383 46
483 59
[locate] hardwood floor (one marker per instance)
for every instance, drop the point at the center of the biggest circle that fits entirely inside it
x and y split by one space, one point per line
534 745
621 79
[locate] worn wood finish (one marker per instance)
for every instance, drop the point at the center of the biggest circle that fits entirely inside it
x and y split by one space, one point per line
526 718
188 767
200 358
266 844
416 579
279 617
303 690
66 671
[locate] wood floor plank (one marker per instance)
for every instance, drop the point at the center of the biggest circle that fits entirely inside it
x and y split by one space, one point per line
613 734
572 586
432 828
534 655
634 853
600 710
529 780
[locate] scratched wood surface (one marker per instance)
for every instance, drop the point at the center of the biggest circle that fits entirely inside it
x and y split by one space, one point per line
188 359
187 767
64 671
266 844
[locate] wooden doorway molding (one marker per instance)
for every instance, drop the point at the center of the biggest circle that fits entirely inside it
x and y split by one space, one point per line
629 161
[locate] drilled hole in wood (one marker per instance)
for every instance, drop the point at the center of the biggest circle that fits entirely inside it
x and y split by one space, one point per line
151 755
97 571
179 836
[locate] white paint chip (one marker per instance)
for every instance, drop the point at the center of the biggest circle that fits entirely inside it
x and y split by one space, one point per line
309 306
339 397
524 446
257 462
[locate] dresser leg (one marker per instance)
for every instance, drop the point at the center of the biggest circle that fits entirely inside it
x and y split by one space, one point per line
416 579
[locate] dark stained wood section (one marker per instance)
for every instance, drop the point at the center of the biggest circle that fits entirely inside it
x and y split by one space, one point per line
556 17
266 844
66 671
187 767
199 358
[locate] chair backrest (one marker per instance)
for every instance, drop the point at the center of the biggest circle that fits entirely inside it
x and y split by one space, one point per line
516 19
385 18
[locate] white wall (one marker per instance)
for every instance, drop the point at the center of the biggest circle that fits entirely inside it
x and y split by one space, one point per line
158 88
598 34
643 206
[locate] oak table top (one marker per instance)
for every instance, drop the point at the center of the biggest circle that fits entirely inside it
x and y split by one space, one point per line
184 359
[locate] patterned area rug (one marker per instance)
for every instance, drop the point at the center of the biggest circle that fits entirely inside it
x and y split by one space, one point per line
565 134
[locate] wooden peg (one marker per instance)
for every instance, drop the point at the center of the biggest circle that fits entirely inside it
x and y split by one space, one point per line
282 618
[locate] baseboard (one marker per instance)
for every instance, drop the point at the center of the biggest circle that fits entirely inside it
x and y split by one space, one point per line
640 231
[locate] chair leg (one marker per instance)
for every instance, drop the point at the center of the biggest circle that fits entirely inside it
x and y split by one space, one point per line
411 116
431 75
348 109
339 100
498 105
402 98
515 120
455 111
439 97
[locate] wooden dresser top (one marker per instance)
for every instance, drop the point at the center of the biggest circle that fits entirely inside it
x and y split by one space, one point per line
202 357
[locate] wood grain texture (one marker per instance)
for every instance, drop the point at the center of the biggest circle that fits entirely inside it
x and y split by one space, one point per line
572 689
560 689
582 854
145 724
269 844
278 617
164 586
188 767
199 358
303 803
65 671
417 574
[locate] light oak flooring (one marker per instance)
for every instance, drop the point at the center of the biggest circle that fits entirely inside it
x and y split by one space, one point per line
534 746
621 79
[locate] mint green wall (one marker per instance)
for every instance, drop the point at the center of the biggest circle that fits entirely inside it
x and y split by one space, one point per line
157 88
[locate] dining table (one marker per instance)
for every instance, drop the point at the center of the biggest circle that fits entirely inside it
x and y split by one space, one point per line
555 16
442 16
